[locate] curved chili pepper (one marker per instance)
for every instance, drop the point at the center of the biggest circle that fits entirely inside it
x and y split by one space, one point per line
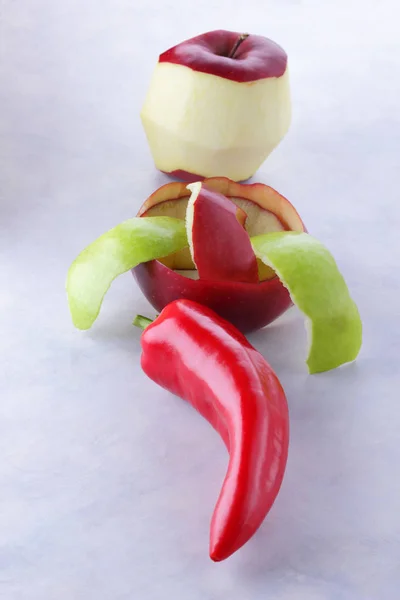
202 358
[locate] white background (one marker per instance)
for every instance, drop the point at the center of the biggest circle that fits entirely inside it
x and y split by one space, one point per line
107 483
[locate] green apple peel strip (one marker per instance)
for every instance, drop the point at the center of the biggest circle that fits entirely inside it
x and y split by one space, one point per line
122 248
309 272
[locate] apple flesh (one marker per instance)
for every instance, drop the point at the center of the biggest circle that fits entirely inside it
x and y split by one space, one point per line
218 104
249 306
219 245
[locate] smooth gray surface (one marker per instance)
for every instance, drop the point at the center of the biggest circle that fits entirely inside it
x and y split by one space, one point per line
107 483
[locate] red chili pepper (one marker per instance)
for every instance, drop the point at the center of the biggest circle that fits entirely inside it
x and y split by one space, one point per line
202 358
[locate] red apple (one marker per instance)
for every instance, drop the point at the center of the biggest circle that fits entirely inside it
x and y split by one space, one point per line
219 244
218 104
249 306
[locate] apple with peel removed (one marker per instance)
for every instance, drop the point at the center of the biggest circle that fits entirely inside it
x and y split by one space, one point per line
218 104
249 306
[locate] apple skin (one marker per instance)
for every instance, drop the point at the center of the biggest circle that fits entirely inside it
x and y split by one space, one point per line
256 57
208 114
184 176
260 194
249 306
225 257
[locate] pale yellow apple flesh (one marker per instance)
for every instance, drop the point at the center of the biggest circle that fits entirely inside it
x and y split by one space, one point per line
211 126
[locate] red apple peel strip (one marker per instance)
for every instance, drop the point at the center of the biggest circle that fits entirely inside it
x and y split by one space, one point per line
219 244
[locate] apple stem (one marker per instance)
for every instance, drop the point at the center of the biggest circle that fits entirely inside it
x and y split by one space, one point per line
142 322
240 39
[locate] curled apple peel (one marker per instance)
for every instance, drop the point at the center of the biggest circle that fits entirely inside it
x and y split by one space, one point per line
218 242
309 272
122 248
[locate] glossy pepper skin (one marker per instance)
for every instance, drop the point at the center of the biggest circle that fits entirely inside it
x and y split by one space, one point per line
202 358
